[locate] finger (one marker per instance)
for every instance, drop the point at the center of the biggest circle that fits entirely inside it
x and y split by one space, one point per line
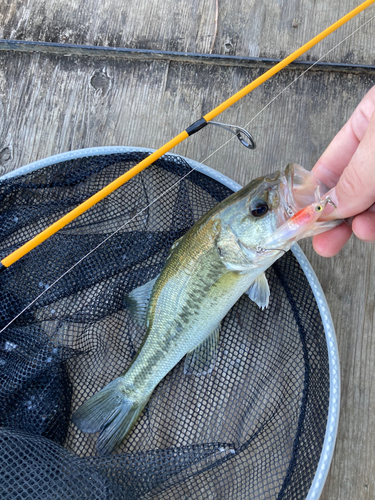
336 157
364 225
342 148
330 243
355 190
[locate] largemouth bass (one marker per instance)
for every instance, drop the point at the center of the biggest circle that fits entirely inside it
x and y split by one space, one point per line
223 256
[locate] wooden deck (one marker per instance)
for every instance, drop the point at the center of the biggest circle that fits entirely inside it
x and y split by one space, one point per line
58 99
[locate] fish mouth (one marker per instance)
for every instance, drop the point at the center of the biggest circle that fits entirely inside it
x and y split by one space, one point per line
302 189
299 189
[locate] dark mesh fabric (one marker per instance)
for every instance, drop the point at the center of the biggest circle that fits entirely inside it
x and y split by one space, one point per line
251 429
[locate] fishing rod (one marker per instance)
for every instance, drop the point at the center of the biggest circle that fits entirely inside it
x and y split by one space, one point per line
192 129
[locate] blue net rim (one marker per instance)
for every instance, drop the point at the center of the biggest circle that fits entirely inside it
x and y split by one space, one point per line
333 355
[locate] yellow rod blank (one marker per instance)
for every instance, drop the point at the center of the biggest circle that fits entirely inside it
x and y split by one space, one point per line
279 66
90 202
39 238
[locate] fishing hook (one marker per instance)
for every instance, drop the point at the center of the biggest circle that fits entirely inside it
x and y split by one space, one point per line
262 250
330 202
238 132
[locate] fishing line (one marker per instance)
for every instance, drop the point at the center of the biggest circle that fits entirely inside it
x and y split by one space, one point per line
174 184
98 246
303 73
281 92
192 129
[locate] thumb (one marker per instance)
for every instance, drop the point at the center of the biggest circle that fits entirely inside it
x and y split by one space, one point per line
355 190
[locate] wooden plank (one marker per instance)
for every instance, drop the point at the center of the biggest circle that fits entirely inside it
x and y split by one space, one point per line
244 28
50 104
348 284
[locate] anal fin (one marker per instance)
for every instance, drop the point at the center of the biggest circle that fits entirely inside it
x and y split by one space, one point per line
201 360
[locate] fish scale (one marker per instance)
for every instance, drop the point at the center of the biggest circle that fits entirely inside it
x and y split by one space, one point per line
206 272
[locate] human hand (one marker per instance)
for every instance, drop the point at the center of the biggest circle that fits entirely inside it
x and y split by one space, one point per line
349 164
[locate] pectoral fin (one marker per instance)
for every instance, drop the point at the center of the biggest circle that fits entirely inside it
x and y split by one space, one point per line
137 301
201 360
259 291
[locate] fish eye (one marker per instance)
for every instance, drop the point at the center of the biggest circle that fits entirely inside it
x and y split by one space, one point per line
259 208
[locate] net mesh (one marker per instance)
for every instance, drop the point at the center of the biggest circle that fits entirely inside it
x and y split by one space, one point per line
252 428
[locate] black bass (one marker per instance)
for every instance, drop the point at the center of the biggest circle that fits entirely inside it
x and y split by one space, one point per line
223 256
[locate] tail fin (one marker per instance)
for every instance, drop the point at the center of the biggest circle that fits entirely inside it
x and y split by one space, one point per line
112 413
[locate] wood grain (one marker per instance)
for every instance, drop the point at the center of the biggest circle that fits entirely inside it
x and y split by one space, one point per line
348 284
54 103
245 27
